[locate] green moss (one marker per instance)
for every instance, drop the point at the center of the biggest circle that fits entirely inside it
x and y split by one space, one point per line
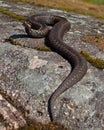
97 2
44 48
12 15
96 62
14 42
17 43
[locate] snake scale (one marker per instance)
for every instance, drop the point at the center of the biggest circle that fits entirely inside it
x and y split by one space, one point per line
38 26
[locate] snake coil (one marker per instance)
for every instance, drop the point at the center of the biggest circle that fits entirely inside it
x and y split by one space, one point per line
38 26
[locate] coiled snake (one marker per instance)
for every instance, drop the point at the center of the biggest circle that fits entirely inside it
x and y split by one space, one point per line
38 26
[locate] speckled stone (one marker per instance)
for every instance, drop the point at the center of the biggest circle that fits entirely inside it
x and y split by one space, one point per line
29 76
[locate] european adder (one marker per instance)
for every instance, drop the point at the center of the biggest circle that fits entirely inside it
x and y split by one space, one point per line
39 26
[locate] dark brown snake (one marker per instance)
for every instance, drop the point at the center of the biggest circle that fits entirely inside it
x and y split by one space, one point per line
38 26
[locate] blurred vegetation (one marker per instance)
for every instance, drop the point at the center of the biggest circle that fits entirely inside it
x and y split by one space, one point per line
12 15
98 2
78 6
97 40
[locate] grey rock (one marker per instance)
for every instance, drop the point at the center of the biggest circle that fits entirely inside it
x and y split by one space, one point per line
29 76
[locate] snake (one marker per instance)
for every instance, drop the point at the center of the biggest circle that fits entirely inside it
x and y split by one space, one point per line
53 28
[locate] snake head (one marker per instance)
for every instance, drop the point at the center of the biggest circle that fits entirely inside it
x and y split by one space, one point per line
27 24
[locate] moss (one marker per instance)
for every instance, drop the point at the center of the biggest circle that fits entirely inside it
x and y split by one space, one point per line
44 48
40 126
12 15
96 2
17 43
14 42
96 62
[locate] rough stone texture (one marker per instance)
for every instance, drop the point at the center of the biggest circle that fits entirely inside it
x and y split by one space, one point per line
28 77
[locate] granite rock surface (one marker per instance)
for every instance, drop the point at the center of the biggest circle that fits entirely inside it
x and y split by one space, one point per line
28 76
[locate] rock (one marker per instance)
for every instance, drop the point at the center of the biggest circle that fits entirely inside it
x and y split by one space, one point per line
28 76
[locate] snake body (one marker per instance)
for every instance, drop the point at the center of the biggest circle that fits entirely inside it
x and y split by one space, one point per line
38 26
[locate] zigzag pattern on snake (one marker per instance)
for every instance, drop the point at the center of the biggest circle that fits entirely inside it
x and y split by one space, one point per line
38 26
